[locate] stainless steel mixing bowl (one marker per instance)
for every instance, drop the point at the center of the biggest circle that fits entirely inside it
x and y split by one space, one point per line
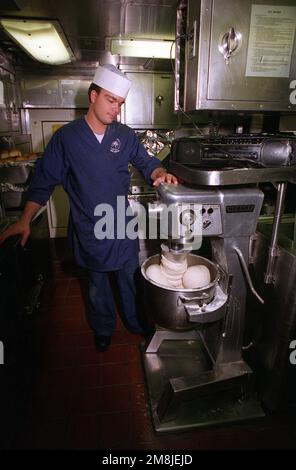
165 304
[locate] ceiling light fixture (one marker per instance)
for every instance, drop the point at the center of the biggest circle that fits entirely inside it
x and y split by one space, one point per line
160 49
43 40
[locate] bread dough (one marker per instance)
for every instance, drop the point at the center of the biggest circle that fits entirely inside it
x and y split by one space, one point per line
155 273
177 274
173 271
196 276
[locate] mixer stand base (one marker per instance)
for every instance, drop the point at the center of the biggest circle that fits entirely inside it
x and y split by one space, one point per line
182 358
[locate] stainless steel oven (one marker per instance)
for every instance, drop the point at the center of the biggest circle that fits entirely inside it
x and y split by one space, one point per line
235 55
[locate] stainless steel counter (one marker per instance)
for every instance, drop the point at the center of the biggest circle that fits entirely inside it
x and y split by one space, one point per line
232 176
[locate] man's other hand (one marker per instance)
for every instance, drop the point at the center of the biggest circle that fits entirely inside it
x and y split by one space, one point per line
19 228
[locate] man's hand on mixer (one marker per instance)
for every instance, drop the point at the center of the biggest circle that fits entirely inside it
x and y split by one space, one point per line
160 175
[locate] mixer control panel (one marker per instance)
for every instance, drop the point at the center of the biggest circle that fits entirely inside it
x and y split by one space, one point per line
211 219
189 222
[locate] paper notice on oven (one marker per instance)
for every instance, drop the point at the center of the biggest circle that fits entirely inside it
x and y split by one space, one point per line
271 39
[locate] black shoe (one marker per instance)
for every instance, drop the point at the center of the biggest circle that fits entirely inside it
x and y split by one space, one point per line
102 343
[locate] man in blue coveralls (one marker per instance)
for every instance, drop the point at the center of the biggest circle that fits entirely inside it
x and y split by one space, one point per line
90 157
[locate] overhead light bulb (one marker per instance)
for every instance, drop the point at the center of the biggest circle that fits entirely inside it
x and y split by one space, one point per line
43 40
154 48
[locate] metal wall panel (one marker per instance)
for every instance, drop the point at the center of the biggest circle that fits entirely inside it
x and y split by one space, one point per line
271 327
42 92
163 100
138 104
54 93
150 100
74 93
9 113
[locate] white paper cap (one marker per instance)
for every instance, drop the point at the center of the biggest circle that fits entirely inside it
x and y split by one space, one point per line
111 79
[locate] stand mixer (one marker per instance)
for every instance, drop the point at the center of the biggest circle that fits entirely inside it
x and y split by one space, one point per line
202 361
194 365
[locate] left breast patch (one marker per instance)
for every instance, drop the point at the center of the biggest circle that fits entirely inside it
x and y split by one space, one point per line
115 146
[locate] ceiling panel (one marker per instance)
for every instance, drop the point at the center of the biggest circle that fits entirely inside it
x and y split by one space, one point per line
87 24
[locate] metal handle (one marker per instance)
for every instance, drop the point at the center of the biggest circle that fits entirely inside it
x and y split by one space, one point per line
183 299
252 248
208 313
247 274
229 43
273 248
159 99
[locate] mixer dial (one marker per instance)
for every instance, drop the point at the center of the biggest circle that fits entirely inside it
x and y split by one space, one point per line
211 219
187 217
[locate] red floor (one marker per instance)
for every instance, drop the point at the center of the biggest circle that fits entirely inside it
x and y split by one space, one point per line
83 399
